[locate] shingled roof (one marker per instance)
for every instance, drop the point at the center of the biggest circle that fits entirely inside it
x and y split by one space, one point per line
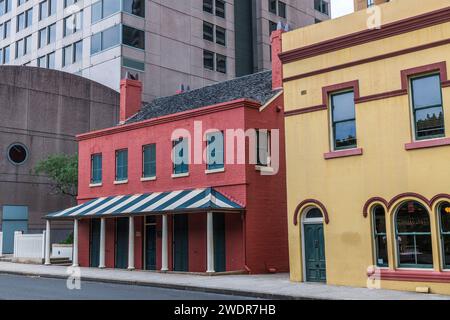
257 87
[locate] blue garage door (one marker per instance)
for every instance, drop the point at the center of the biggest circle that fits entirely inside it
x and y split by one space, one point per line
15 218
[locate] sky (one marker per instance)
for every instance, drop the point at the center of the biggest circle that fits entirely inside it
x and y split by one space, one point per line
341 7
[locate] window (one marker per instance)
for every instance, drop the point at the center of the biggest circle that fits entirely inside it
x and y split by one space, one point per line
221 63
379 234
220 36
180 156
21 2
20 21
28 18
370 3
104 8
208 31
216 7
208 59
28 46
133 37
5 6
17 153
273 6
121 165
77 51
96 168
133 64
413 235
42 62
47 35
208 6
67 55
6 29
20 48
73 23
105 39
6 54
277 7
69 3
52 33
272 27
321 6
444 222
282 9
47 8
135 7
343 120
214 150
263 147
42 37
47 61
428 114
149 161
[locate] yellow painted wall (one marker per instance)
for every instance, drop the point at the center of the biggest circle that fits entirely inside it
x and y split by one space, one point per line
383 127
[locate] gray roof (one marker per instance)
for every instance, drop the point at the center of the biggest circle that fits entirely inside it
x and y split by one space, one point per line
257 87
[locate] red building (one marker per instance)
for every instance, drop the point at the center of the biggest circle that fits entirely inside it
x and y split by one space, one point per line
148 199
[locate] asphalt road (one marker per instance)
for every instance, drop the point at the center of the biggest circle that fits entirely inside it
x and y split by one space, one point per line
13 287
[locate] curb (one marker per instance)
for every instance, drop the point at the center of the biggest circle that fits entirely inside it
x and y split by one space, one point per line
249 294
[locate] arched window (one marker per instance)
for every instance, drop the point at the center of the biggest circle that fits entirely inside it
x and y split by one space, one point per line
444 221
314 213
413 233
379 234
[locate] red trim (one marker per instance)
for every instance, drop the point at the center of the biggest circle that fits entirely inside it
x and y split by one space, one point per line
343 153
383 95
411 275
312 201
445 84
357 38
439 66
172 117
408 195
338 87
306 110
368 60
439 197
427 144
370 201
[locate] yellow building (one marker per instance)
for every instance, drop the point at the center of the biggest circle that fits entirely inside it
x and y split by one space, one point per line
368 148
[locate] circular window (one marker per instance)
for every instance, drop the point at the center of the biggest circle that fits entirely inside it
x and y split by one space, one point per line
17 153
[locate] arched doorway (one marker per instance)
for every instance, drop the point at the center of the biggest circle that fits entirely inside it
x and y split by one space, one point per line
314 263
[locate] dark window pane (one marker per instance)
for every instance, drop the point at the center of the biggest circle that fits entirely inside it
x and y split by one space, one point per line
208 30
445 217
208 59
406 248
314 213
272 27
345 134
282 9
381 250
221 63
208 6
180 156
215 157
413 217
343 105
96 174
273 6
96 43
136 7
121 165
429 122
149 161
426 91
220 8
380 220
220 36
133 37
424 250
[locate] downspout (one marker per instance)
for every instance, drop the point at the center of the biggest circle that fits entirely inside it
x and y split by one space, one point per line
244 240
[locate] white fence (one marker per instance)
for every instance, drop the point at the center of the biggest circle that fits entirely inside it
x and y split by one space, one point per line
1 243
29 246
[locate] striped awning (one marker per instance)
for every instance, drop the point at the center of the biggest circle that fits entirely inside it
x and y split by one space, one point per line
157 202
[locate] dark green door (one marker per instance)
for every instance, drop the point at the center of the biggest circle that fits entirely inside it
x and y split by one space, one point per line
150 247
122 243
180 243
94 243
315 253
219 242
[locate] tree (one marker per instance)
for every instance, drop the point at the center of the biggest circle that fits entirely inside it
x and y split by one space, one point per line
62 170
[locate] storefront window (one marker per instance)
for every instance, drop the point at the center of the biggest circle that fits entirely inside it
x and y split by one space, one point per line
379 232
413 234
444 219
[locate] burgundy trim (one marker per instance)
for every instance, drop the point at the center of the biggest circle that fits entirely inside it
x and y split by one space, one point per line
338 87
343 153
439 66
312 201
411 275
357 38
408 195
305 110
368 60
384 95
445 84
439 197
427 144
370 201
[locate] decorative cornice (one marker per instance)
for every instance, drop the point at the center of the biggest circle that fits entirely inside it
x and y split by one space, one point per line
172 117
315 202
350 40
369 60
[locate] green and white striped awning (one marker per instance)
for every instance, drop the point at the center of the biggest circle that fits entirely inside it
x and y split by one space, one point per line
158 202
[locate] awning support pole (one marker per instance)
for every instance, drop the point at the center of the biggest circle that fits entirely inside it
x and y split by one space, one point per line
210 242
75 243
47 243
165 246
102 243
131 244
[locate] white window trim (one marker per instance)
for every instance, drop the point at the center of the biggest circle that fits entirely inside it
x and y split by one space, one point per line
153 178
218 170
95 185
121 182
180 175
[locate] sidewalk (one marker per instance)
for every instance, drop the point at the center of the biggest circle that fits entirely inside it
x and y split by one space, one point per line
275 286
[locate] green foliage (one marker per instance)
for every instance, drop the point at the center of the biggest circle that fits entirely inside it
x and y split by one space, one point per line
69 239
62 170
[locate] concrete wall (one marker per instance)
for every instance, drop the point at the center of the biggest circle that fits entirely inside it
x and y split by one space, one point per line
44 110
386 168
